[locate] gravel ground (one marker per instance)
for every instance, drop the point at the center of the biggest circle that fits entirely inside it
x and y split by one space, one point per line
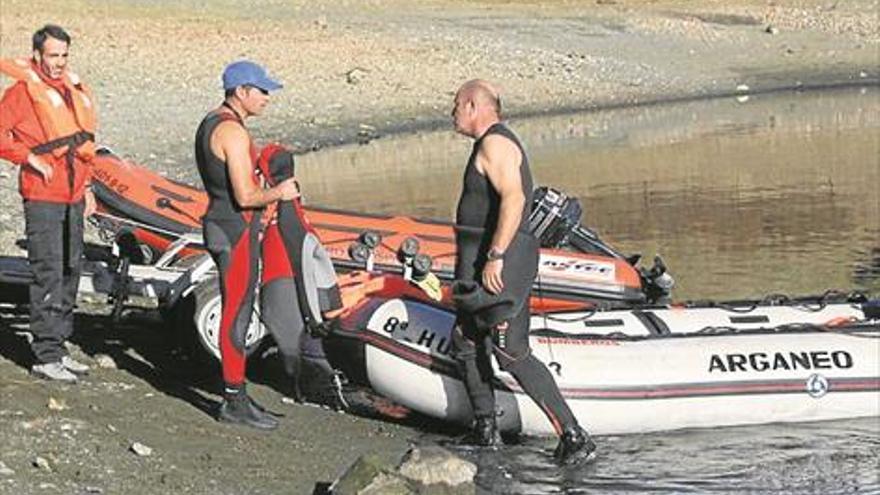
353 70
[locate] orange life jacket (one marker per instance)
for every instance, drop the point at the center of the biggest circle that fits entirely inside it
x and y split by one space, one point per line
66 132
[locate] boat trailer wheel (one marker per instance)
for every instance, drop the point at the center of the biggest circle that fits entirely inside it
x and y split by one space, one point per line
208 311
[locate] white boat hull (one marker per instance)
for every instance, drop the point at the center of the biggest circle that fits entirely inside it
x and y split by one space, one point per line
630 380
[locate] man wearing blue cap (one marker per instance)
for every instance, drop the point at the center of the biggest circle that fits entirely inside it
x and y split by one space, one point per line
226 157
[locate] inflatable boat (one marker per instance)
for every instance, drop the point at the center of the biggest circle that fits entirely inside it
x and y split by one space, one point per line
159 210
659 367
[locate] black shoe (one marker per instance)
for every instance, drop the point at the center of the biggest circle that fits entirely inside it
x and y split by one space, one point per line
240 409
264 411
331 395
325 388
575 447
484 433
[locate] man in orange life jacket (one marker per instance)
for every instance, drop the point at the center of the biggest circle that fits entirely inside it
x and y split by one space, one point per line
226 158
47 126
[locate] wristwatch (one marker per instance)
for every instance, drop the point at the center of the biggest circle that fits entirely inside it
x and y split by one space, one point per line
494 254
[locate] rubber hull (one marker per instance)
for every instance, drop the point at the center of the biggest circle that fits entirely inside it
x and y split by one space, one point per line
631 379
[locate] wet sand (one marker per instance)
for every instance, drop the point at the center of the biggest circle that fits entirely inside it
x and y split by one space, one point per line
353 71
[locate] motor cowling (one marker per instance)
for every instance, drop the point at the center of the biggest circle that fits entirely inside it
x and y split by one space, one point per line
554 216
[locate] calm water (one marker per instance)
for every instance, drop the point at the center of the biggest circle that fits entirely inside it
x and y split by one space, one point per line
774 194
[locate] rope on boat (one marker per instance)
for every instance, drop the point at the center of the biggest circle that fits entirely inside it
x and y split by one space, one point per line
810 303
559 319
786 327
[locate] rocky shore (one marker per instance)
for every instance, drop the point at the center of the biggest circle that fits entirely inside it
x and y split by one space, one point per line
353 71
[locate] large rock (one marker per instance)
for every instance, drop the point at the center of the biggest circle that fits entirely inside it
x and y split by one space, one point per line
388 484
439 470
433 464
365 476
423 471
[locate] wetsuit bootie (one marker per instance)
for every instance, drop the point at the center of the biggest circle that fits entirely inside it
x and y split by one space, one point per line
484 433
575 447
326 390
238 408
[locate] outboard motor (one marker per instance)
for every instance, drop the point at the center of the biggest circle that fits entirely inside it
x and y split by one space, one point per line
657 281
556 221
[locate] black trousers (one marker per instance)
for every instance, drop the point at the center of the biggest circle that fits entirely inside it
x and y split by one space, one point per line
55 247
474 343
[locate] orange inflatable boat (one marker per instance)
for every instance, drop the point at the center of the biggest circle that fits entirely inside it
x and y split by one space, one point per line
159 210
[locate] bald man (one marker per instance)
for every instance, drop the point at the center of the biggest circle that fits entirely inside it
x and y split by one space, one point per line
497 261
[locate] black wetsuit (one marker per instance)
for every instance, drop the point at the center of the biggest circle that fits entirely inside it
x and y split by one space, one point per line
232 237
479 312
298 281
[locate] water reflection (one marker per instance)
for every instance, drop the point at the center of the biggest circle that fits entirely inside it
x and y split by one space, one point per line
775 194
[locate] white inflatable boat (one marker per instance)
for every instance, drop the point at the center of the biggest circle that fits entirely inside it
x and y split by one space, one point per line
637 370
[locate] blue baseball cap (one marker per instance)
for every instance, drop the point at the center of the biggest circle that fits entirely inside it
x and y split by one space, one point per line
245 72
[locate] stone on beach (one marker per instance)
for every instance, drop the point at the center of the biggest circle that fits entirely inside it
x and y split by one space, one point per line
360 475
57 404
105 361
41 463
429 469
432 464
141 449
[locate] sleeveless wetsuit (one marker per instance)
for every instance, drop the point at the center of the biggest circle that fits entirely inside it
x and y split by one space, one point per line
476 335
231 235
299 280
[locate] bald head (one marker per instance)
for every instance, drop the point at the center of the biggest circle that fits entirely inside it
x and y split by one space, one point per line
477 106
482 93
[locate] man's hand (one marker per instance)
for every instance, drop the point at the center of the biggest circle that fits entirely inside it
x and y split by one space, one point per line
91 205
492 276
289 189
40 165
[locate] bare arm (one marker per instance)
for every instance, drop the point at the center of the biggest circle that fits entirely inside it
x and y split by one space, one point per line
231 143
500 160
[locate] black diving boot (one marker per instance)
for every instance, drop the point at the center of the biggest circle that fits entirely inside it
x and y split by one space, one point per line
575 447
324 386
238 408
484 433
330 394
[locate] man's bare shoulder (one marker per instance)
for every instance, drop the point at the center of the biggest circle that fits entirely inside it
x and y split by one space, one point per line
230 130
229 139
499 149
229 135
